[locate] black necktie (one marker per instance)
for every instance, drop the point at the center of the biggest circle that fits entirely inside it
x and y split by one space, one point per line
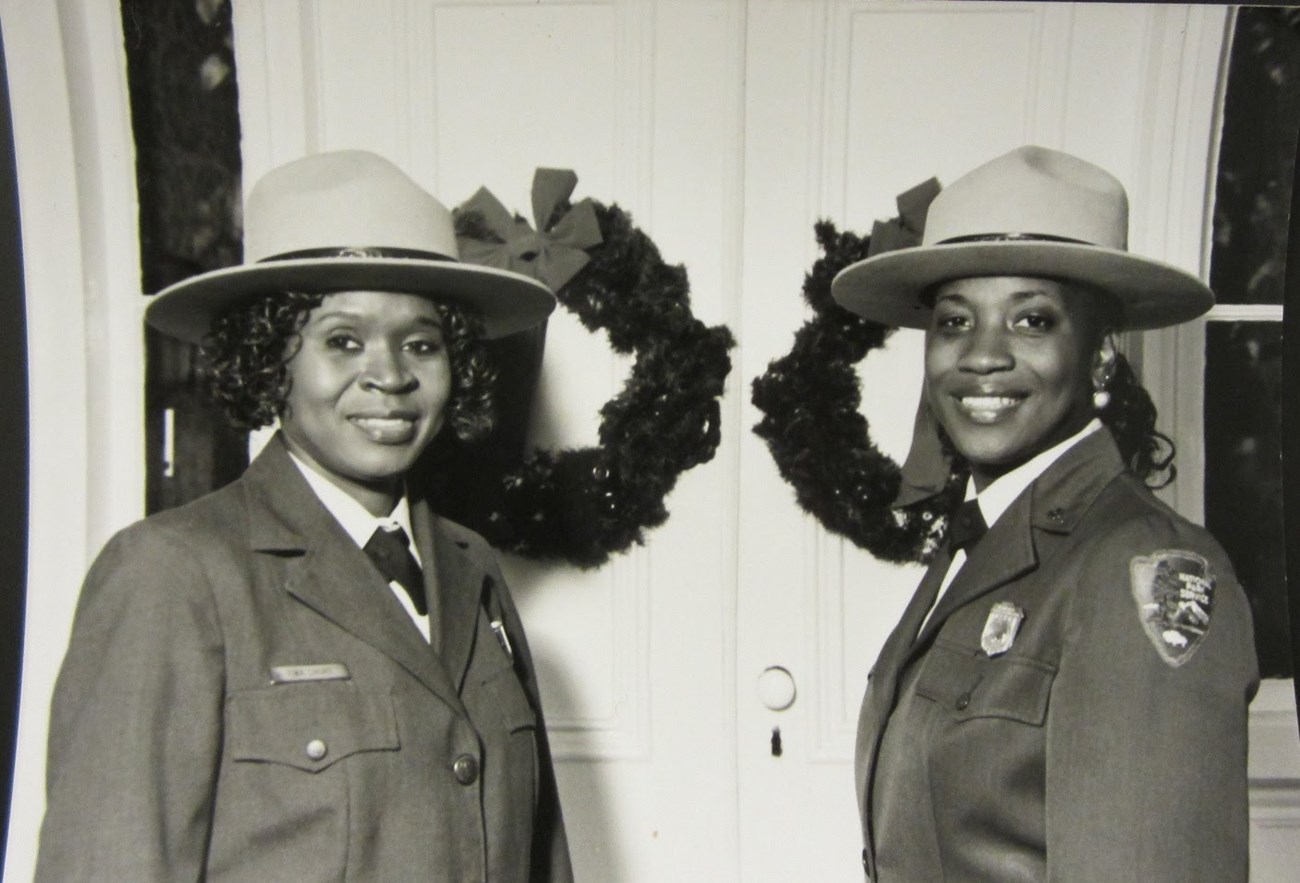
965 527
390 551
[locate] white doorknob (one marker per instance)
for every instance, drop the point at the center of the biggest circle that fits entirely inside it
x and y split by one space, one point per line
776 688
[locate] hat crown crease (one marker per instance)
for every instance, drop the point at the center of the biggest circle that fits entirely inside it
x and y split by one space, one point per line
344 199
1033 191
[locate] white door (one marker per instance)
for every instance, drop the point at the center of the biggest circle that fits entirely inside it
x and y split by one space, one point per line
727 128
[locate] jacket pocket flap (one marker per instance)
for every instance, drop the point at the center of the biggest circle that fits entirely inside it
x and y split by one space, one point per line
971 685
309 725
510 702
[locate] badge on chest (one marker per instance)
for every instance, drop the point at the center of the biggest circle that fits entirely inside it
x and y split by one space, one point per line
1001 627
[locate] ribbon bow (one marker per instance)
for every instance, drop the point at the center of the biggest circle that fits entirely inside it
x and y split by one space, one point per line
926 470
553 254
905 230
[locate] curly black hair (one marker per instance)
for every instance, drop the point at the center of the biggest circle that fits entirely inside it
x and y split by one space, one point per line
1131 418
1130 414
246 354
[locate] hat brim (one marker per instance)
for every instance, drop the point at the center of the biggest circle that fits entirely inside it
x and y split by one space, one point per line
507 302
888 288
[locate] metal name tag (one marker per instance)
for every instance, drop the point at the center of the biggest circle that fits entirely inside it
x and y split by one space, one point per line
324 671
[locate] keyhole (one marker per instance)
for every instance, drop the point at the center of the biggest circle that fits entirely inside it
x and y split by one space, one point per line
776 741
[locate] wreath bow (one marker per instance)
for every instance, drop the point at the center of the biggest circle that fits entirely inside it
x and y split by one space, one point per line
905 230
554 252
585 504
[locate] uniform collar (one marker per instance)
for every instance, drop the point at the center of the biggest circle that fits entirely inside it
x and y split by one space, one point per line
288 519
354 518
1053 503
1002 492
1064 492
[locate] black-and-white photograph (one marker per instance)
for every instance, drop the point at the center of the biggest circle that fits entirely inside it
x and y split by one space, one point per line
649 440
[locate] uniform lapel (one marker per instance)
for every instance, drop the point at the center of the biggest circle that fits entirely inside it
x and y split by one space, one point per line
1052 504
884 683
329 573
455 587
890 665
1004 553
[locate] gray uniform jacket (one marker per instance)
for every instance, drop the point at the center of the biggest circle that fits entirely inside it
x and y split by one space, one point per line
1075 708
245 699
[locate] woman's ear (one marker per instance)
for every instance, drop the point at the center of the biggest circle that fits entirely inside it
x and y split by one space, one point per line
1103 371
1103 362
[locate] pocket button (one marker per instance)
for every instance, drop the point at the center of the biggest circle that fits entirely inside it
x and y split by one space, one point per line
317 749
962 701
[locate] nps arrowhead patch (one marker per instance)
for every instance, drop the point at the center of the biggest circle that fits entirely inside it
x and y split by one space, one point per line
1174 591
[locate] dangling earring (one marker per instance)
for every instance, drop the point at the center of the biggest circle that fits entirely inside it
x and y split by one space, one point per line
1103 371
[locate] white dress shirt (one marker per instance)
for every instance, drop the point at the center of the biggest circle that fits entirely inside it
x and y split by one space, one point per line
360 525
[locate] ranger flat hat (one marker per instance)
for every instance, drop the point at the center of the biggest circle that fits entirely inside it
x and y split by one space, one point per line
1030 212
344 221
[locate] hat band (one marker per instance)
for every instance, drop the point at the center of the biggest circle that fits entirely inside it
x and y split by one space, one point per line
359 251
1012 237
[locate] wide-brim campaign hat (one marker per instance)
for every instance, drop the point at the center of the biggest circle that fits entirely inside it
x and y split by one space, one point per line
1031 212
344 221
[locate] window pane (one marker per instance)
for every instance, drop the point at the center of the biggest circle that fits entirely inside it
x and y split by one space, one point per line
1257 158
1243 472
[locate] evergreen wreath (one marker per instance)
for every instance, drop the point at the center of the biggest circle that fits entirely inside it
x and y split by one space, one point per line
585 504
810 399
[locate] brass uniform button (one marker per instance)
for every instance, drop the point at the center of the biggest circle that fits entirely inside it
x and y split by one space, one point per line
465 769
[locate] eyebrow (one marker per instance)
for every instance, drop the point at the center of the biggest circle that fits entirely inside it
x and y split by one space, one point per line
434 321
1019 295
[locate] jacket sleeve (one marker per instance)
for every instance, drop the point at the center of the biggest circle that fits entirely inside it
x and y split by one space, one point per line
1146 747
135 724
550 862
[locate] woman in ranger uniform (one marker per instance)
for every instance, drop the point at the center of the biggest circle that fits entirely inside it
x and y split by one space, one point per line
1065 696
309 675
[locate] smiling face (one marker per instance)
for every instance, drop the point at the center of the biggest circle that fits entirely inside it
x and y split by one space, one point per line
1010 364
368 386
